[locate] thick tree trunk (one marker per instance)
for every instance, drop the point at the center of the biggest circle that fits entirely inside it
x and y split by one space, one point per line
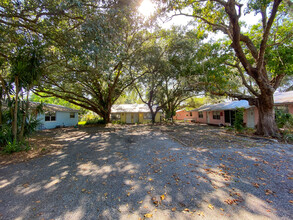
266 124
154 117
106 115
14 124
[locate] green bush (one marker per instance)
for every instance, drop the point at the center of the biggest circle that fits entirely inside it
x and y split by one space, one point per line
283 119
238 124
118 122
5 134
95 121
31 126
12 147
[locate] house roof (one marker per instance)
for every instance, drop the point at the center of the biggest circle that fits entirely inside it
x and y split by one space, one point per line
180 110
53 108
224 106
279 98
131 108
283 97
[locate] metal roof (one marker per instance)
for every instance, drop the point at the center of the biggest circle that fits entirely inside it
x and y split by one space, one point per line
279 98
53 108
224 106
283 97
131 108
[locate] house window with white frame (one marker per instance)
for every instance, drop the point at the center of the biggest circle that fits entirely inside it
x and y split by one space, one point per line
147 116
72 115
216 115
50 116
115 116
200 114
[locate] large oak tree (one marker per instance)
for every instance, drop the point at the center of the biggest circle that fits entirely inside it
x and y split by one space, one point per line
90 65
255 50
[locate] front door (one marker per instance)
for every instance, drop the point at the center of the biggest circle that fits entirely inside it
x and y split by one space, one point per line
250 118
128 118
135 118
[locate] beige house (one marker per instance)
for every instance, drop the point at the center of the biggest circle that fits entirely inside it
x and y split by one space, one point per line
133 113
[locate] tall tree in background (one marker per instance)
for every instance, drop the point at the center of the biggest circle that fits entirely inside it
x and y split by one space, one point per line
260 52
168 62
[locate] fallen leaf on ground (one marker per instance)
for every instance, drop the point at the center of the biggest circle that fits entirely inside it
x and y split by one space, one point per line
200 213
268 192
83 190
25 185
162 197
255 185
211 206
173 209
148 215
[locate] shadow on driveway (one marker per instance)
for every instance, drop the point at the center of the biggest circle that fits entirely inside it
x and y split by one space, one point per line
128 173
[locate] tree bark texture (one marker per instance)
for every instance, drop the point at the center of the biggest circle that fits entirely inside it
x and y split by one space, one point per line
266 123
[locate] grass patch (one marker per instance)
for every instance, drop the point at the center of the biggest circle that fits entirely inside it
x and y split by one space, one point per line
82 123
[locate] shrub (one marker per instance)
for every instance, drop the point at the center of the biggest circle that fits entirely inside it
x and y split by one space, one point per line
31 126
283 119
95 121
118 122
5 134
12 147
238 124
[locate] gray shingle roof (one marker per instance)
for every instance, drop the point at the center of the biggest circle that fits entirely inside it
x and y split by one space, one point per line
279 98
283 97
131 108
224 106
53 108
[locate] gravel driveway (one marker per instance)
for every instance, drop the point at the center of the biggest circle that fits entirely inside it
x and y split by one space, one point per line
139 172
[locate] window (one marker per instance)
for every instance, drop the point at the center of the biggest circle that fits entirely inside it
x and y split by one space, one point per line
282 109
147 116
115 116
200 114
216 115
72 115
190 113
50 116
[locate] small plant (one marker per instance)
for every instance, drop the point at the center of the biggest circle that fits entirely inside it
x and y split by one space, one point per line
95 121
283 119
288 136
118 122
238 124
12 147
5 134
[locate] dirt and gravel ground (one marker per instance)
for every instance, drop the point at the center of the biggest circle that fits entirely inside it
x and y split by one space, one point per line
165 172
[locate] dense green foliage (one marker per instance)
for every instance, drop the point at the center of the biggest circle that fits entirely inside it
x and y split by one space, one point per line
238 124
284 119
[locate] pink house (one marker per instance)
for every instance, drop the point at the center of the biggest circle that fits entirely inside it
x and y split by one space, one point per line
219 114
224 113
183 115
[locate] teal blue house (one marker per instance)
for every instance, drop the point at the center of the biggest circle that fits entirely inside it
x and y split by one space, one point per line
56 116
